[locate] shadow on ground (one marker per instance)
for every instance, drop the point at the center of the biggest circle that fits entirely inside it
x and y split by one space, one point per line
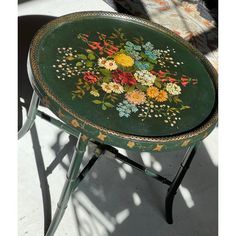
27 27
116 200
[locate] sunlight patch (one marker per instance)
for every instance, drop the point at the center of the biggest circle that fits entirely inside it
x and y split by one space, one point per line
186 196
121 216
136 199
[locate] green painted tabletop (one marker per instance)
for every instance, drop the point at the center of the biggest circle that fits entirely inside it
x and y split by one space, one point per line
123 74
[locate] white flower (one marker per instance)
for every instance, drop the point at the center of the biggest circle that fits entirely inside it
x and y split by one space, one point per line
116 88
110 65
106 87
102 61
173 89
145 77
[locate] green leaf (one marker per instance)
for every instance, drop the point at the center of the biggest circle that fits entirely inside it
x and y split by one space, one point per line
130 88
79 64
105 72
106 79
184 107
108 104
104 107
89 64
141 87
122 36
97 101
82 56
122 51
173 109
150 66
91 56
143 55
157 83
152 61
70 58
176 99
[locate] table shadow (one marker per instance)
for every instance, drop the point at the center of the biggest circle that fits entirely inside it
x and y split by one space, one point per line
27 27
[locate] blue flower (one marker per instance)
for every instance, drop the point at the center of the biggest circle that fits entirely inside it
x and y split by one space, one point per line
135 55
129 44
125 108
148 46
137 47
142 65
132 53
151 55
132 50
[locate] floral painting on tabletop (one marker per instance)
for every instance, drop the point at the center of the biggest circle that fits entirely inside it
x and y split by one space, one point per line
131 76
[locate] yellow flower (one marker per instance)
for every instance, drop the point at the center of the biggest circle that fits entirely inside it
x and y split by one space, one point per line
101 136
158 147
130 144
136 97
124 60
75 123
162 96
152 92
106 87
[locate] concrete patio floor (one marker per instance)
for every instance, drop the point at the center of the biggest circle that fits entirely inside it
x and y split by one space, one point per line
113 199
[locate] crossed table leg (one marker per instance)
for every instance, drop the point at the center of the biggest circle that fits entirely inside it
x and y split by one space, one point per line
73 177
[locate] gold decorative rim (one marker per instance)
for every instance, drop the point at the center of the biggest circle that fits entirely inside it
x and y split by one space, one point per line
211 120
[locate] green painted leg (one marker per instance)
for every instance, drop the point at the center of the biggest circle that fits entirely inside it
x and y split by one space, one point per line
172 190
30 116
69 185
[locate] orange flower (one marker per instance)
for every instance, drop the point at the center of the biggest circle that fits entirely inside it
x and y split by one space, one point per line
162 96
136 97
152 92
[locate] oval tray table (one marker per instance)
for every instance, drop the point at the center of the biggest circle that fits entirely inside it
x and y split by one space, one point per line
117 80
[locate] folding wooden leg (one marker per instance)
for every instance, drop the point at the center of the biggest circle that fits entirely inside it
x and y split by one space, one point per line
30 116
69 185
177 181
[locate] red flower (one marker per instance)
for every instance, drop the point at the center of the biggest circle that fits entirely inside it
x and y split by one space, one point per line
161 73
184 81
110 49
172 80
89 77
164 80
154 72
95 45
122 77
